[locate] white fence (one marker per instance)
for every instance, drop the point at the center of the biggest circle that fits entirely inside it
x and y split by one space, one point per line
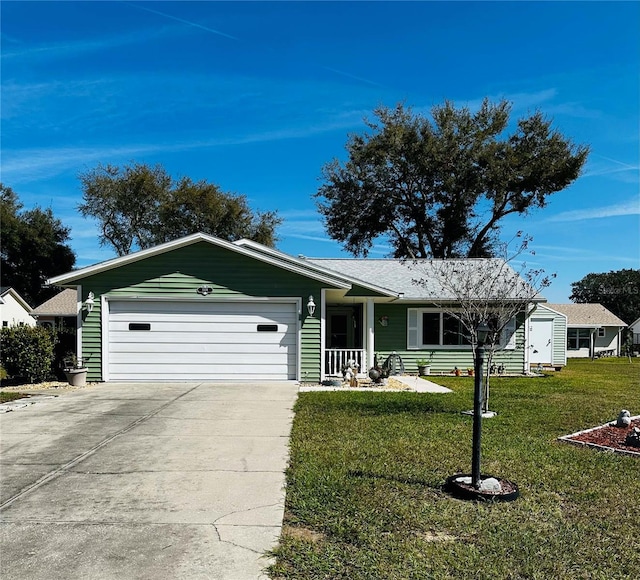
337 358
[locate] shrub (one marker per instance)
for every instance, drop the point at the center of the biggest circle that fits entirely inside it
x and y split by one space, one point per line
27 352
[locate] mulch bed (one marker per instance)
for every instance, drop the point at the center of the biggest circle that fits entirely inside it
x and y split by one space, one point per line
607 438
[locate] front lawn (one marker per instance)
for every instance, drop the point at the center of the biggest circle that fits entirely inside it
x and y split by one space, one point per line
6 396
364 487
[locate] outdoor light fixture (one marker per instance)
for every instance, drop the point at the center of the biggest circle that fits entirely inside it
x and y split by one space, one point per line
483 333
473 486
311 306
88 303
384 320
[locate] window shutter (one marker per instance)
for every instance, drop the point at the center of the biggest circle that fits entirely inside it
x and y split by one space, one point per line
412 328
508 337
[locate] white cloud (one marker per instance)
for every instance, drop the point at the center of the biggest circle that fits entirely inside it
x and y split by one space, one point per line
631 207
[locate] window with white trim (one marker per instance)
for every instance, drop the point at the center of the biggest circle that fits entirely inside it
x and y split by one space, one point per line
428 327
601 332
578 338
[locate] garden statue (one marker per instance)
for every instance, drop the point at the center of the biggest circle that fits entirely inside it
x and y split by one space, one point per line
633 438
350 372
623 420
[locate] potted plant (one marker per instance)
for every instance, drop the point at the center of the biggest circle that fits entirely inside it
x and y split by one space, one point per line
424 367
470 372
75 370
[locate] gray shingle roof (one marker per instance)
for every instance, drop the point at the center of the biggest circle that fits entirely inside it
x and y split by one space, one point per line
587 315
403 276
64 303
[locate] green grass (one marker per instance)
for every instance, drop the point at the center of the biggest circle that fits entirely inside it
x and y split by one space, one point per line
364 487
6 396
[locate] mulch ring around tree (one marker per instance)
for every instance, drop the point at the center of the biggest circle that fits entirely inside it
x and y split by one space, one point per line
606 437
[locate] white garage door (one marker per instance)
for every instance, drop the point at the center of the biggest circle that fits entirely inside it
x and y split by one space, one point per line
201 341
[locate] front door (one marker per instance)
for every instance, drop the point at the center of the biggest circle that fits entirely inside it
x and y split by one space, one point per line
344 327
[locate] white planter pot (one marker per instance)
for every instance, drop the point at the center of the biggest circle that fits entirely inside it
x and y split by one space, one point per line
76 377
424 370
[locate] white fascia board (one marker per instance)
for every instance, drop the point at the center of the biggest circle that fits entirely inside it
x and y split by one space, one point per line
555 311
71 278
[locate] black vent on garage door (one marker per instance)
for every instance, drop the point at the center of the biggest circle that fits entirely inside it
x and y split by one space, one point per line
267 328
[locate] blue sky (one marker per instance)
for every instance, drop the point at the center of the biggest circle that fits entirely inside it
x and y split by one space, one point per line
257 96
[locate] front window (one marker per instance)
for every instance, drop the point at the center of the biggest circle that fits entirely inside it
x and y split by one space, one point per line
439 328
578 338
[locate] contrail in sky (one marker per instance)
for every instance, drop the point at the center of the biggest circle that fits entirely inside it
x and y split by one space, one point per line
194 24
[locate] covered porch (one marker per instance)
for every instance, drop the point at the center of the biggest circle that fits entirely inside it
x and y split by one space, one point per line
348 336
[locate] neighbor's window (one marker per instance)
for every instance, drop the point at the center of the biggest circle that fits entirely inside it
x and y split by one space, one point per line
578 338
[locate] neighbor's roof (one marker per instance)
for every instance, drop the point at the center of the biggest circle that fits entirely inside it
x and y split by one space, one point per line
588 315
64 303
436 279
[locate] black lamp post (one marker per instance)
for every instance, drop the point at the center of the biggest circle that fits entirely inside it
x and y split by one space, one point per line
472 486
482 332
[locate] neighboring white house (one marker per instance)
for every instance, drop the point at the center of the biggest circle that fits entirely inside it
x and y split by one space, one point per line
547 337
14 310
592 330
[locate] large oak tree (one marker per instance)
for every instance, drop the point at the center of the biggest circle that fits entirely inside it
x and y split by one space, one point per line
139 206
439 187
34 247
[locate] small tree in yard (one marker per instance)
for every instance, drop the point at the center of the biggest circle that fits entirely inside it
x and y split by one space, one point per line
485 291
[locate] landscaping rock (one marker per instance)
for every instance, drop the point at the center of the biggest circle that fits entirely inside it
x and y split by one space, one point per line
623 420
490 485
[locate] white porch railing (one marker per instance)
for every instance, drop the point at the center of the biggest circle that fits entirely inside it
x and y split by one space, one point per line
336 358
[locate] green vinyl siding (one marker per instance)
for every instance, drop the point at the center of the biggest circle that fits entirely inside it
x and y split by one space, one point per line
444 359
180 272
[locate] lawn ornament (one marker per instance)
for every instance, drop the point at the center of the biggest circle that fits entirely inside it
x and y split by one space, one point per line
623 420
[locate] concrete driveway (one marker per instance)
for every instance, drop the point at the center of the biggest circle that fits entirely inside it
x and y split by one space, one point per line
162 481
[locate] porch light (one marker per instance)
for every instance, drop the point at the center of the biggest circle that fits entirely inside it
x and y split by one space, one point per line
88 303
311 306
384 320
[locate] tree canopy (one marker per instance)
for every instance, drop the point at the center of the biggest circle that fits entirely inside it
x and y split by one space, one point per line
618 291
34 247
139 206
440 187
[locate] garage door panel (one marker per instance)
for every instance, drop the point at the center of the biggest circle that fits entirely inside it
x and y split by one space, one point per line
210 358
203 322
131 337
168 347
202 341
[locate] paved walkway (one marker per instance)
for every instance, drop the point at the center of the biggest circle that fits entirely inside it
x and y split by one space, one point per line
162 481
412 383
